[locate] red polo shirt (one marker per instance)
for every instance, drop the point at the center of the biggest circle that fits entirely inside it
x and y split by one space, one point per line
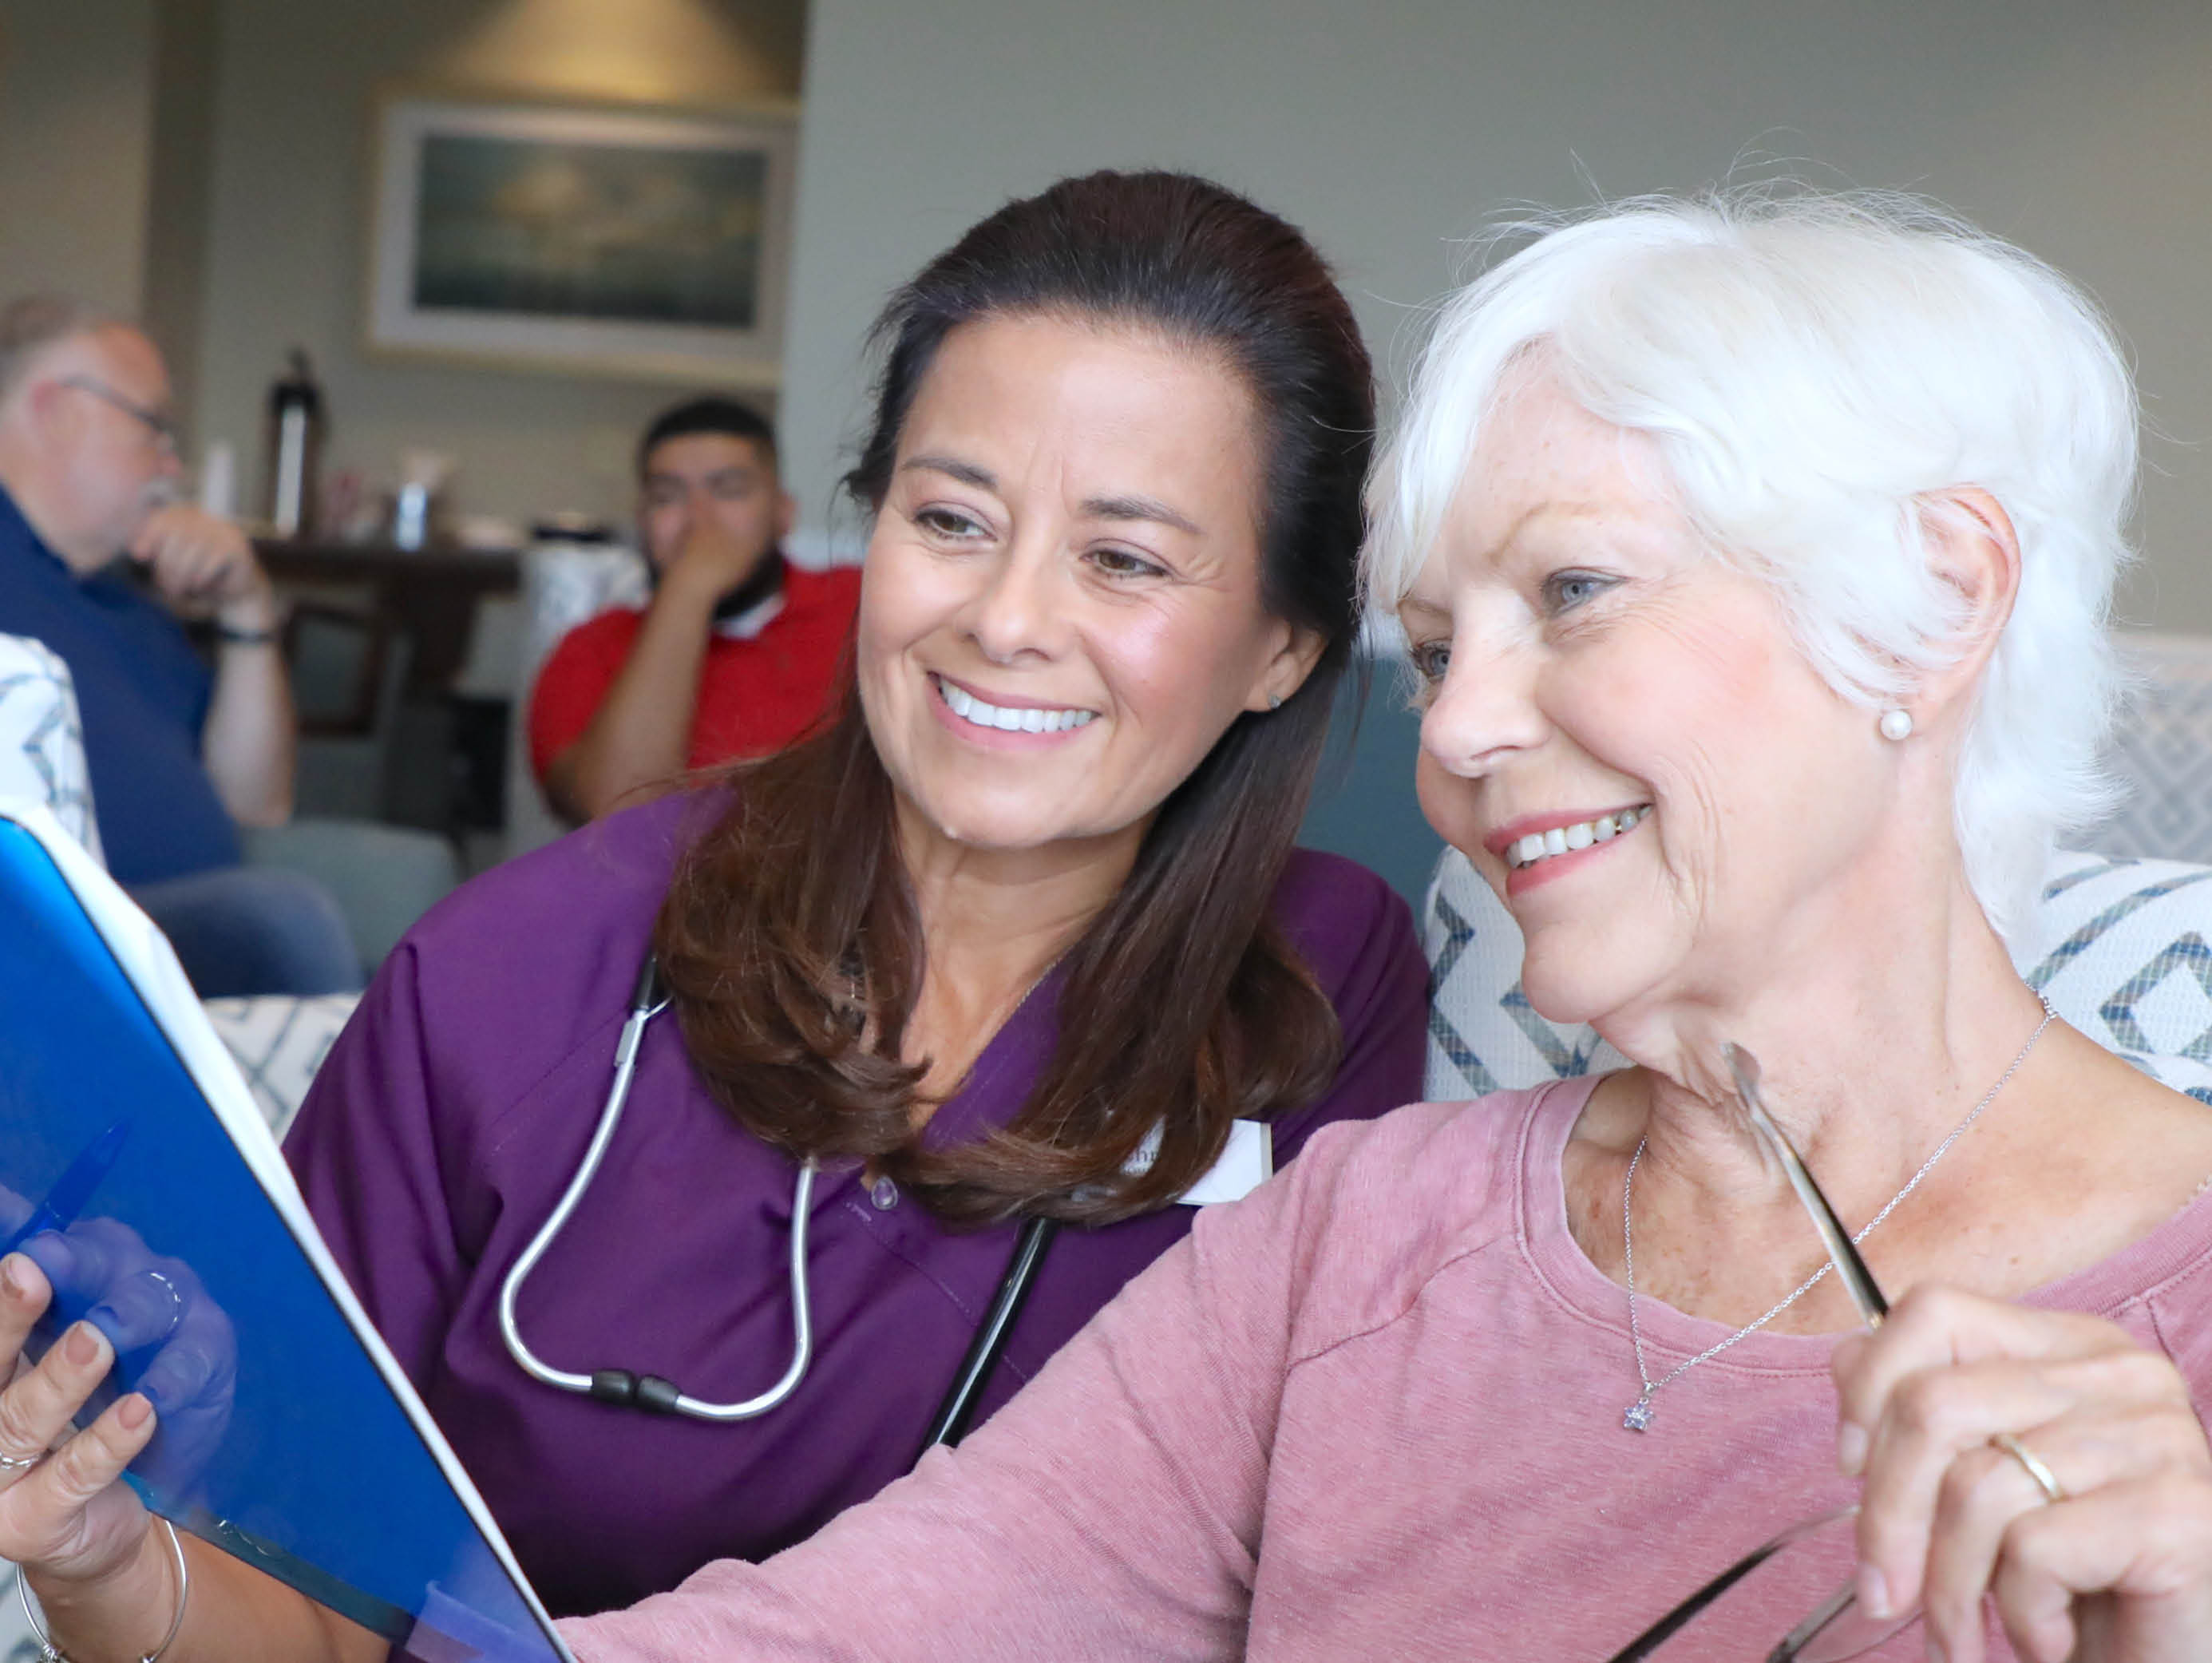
756 694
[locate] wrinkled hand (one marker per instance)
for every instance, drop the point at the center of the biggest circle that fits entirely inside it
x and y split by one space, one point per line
711 562
203 565
176 1345
2120 1567
61 1509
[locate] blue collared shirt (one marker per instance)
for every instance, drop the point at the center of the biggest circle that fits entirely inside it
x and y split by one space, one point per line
142 693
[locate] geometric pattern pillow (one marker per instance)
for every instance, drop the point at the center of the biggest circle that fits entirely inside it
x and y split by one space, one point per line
42 740
280 1041
1484 1035
2121 952
2121 948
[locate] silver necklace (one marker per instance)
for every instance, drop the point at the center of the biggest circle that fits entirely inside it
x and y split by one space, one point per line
1638 1415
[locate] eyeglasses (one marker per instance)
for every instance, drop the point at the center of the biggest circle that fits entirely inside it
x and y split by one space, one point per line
1836 1629
162 430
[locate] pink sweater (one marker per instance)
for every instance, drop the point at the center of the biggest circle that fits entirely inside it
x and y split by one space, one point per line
1373 1412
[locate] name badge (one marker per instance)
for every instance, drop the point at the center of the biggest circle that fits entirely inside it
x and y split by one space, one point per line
1247 1160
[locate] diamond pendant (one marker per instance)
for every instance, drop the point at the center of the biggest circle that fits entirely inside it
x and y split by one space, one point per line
1638 1418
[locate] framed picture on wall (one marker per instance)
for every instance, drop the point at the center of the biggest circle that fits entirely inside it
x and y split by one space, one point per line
598 241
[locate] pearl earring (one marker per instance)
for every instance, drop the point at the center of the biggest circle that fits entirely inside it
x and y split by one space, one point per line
1896 724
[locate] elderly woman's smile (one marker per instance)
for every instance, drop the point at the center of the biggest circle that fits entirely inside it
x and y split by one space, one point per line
1532 842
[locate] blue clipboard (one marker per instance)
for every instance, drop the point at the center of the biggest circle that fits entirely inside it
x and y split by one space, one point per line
137 1169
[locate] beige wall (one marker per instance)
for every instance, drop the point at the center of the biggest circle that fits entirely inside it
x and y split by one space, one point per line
1389 128
178 184
296 82
76 113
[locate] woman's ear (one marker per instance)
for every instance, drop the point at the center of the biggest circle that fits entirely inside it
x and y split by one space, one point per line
1974 552
1287 669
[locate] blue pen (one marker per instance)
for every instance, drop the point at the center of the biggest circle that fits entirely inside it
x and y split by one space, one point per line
74 1188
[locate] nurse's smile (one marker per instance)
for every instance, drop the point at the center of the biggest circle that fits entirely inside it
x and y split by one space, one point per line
989 718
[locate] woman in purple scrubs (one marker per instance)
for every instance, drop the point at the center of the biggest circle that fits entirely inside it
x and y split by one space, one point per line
1026 907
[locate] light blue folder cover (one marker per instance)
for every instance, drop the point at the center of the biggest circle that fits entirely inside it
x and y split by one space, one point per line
293 1440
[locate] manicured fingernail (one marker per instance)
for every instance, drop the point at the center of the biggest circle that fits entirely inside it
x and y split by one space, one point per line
81 1345
1850 1448
132 1411
1936 1652
1873 1590
15 1270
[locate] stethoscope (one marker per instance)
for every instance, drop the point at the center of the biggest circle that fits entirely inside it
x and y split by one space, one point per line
658 1396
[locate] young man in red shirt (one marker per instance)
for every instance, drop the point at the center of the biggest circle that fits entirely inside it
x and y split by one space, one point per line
735 654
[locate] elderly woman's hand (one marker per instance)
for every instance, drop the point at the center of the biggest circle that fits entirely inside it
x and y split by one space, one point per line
61 1508
175 1345
2118 1569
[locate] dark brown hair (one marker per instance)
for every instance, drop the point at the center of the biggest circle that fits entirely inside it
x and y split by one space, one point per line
789 941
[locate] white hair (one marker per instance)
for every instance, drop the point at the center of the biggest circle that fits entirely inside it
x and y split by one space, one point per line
34 323
1817 369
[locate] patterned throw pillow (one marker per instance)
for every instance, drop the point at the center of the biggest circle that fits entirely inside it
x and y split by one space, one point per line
2123 950
2122 956
41 741
279 1042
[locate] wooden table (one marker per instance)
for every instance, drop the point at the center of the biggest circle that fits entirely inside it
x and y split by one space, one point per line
431 595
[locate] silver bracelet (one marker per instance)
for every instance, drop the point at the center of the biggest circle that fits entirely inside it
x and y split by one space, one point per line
50 1653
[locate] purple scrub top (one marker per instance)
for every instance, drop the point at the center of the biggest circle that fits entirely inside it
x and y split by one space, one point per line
453 1112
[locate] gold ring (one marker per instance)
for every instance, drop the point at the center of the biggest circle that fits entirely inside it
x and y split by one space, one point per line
2032 1464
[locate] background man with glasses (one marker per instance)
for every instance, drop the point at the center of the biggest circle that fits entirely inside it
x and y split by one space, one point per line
179 755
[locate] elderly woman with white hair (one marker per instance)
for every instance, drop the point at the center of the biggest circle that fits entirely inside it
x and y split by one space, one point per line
1754 556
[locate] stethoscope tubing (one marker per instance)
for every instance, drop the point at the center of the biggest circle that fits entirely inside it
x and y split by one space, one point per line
616 1385
951 1422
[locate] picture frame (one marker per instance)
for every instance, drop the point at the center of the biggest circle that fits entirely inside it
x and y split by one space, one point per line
606 241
